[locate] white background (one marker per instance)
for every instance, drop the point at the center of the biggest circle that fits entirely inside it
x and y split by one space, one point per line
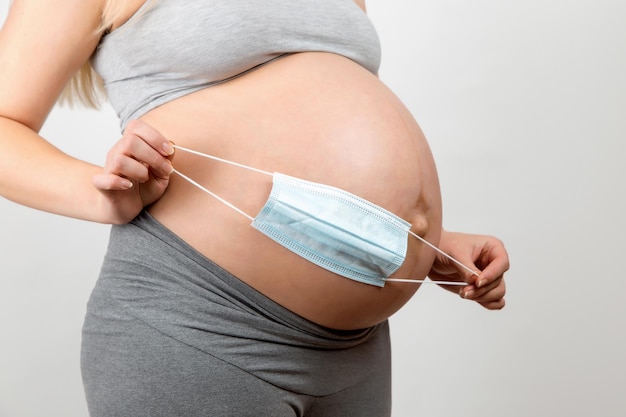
524 104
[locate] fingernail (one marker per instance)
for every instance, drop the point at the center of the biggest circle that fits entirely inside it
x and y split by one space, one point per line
481 282
167 167
127 184
467 294
167 148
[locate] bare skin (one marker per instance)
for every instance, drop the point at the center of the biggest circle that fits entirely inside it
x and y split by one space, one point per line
316 116
305 127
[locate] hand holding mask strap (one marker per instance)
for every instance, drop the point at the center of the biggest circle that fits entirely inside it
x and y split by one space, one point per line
331 228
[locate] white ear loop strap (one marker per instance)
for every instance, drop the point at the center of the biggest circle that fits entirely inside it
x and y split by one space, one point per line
226 161
232 206
237 209
421 239
427 243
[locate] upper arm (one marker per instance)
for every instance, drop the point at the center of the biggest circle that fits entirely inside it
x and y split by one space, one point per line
42 45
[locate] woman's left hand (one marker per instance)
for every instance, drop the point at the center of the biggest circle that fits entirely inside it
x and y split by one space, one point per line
486 254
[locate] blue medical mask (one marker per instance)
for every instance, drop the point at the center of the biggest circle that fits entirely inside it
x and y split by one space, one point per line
334 229
331 228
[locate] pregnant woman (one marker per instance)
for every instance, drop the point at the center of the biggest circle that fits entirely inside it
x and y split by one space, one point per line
228 290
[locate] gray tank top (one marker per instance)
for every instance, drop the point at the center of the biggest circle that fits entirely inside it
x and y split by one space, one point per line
171 48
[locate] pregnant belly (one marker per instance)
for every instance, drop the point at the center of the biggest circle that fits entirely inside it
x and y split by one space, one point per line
315 116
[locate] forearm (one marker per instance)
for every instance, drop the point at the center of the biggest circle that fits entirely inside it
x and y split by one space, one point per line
36 174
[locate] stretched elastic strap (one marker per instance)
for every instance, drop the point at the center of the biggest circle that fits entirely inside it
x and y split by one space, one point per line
251 218
232 206
226 161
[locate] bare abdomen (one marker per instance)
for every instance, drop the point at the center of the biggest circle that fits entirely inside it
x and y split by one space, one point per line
319 117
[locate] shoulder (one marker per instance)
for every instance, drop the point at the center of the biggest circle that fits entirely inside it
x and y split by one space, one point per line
42 45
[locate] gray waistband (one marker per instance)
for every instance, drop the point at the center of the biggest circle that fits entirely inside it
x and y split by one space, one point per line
152 274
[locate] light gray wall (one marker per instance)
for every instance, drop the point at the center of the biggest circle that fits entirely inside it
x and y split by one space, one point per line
524 104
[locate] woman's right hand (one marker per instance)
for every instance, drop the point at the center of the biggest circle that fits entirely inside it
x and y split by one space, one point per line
136 172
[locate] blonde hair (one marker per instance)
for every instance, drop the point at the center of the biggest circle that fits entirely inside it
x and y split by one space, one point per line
86 87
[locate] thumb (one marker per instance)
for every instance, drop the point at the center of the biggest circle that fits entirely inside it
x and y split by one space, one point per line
468 271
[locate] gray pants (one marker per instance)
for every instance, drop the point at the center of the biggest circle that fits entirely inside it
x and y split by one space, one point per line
169 333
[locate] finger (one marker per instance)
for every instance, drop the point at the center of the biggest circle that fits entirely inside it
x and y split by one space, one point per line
497 264
493 292
152 190
110 182
462 267
469 274
151 136
127 167
492 300
494 305
132 157
471 279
